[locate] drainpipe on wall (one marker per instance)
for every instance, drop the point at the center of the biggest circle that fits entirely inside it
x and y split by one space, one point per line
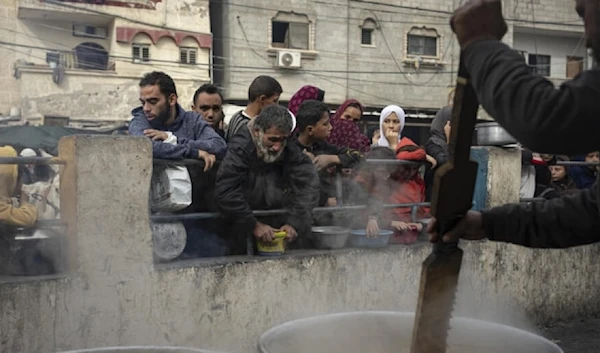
348 49
211 73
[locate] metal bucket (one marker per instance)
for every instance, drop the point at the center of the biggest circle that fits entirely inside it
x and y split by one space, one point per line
391 332
141 349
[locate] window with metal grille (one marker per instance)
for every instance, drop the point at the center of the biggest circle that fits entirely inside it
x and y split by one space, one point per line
366 37
367 30
539 64
422 45
188 55
140 53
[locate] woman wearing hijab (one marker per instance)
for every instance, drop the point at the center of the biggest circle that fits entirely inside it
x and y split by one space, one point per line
305 93
391 124
345 131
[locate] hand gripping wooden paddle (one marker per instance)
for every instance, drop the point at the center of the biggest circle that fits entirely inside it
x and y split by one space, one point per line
452 197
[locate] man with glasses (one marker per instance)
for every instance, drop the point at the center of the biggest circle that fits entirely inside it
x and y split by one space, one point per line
208 102
262 170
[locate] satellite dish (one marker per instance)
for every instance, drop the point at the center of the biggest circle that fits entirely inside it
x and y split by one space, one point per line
287 59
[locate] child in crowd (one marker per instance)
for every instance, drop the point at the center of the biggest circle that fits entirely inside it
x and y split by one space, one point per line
379 184
372 187
409 188
561 181
263 91
314 128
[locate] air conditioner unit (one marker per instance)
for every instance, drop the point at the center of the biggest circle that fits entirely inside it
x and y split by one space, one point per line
289 59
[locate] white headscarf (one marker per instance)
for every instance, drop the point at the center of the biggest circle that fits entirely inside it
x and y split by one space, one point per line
387 111
293 120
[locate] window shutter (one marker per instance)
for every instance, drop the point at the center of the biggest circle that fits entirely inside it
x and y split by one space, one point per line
183 57
367 36
192 57
146 54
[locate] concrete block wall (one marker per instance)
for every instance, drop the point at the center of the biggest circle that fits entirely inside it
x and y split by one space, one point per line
115 295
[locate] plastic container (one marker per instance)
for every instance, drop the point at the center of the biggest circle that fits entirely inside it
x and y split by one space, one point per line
359 239
391 332
330 237
274 248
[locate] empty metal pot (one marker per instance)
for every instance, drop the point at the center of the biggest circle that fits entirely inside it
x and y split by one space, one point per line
492 134
330 237
391 332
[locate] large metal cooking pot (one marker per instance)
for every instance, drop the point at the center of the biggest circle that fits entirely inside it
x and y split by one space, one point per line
492 134
141 349
391 332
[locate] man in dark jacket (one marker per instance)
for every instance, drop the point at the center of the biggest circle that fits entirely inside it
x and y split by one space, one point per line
262 171
537 114
160 117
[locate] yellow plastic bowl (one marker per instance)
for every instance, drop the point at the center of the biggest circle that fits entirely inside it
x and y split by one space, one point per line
274 248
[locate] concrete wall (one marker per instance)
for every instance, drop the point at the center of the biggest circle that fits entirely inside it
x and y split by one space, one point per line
114 295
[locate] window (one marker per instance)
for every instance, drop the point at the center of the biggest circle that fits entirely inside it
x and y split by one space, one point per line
367 29
53 58
539 64
80 30
290 31
422 45
574 66
187 55
141 53
91 56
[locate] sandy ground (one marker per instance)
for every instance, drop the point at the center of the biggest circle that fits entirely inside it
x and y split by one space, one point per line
580 336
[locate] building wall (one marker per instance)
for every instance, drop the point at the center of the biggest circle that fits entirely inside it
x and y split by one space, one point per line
43 27
87 96
341 56
556 46
9 86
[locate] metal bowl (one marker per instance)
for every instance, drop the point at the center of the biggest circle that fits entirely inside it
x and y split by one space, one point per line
391 332
492 134
330 237
359 239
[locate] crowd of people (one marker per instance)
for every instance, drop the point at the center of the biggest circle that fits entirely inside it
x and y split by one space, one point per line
270 157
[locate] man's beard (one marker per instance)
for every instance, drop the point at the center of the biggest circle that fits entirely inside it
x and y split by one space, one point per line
263 152
160 119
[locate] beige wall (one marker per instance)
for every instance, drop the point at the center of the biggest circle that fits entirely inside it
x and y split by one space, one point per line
9 86
100 95
88 96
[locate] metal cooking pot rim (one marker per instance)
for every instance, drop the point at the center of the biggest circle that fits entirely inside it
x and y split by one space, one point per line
489 124
264 338
329 229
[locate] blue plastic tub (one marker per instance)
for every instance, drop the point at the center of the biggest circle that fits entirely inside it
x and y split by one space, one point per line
359 239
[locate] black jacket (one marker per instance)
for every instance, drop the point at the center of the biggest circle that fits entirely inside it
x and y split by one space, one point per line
246 183
544 119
